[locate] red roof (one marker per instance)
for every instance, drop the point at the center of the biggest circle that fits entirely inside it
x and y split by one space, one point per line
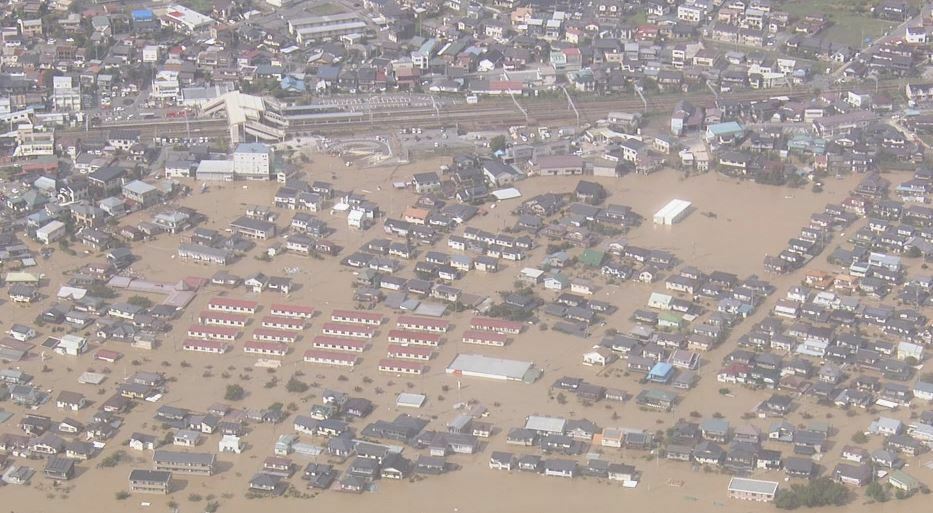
414 335
207 314
345 326
270 332
400 364
278 319
505 85
415 350
423 321
216 330
195 282
277 347
239 303
357 314
486 322
330 355
108 355
491 336
301 309
337 341
212 344
735 368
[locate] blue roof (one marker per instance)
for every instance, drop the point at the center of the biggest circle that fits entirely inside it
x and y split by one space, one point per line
728 127
328 72
661 369
143 14
427 47
923 386
254 147
291 83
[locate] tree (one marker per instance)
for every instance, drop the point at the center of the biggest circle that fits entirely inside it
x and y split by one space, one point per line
101 291
113 460
296 386
819 492
234 393
140 301
786 499
876 492
497 143
860 438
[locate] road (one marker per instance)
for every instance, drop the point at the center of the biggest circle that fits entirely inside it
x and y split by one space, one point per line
897 32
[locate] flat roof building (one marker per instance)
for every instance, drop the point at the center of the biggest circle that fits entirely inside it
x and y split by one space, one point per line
51 232
752 489
673 212
215 170
198 463
150 481
186 19
316 28
479 366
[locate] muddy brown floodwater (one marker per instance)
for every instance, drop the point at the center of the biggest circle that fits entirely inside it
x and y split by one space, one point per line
733 227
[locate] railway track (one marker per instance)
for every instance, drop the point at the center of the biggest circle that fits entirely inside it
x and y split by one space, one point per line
502 112
491 113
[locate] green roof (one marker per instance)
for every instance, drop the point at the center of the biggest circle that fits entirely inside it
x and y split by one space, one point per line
657 394
903 480
592 258
670 317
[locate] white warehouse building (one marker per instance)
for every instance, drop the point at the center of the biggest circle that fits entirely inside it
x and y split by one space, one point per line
251 161
51 232
673 212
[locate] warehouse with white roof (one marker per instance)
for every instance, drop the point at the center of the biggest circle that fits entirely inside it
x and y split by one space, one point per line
479 366
752 489
673 212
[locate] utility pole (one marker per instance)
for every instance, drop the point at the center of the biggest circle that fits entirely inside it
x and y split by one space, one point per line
525 113
572 106
639 91
512 95
713 89
874 77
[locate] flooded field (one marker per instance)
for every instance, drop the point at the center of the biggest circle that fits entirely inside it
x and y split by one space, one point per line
734 225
